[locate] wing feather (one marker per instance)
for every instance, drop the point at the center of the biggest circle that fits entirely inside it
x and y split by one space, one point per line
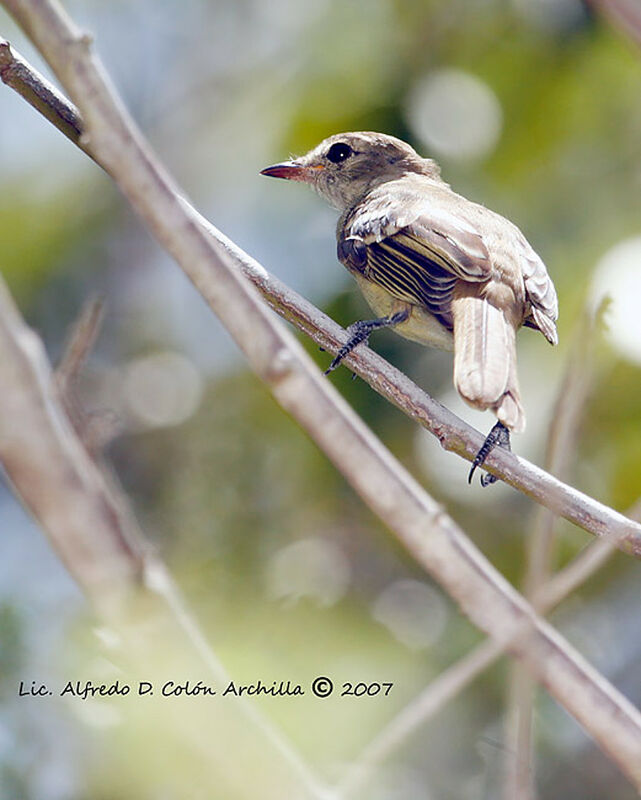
540 293
420 252
419 262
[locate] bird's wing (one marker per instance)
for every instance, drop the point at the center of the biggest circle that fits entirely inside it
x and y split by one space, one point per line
417 253
541 294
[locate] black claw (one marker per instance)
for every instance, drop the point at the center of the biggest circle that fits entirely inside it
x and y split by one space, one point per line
359 332
336 361
498 436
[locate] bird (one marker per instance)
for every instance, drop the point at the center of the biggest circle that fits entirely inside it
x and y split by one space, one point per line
436 267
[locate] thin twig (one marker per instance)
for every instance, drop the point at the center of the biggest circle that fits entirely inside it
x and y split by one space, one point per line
40 93
90 428
455 679
79 345
545 593
519 773
546 597
93 531
420 524
454 434
623 14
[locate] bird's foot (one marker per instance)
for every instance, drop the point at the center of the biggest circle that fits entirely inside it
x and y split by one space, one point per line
498 436
359 332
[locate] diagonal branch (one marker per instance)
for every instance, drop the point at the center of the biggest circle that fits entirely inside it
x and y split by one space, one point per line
80 342
456 678
623 14
519 772
423 527
94 533
453 434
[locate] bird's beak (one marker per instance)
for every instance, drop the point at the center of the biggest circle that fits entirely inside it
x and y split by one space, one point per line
291 170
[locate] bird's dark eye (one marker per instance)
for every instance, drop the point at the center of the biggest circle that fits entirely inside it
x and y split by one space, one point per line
339 152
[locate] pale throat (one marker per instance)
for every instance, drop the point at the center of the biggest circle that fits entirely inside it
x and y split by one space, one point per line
343 195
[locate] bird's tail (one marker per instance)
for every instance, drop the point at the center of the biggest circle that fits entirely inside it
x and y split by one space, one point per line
485 324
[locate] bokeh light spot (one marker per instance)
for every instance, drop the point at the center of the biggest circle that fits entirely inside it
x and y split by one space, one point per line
618 275
162 389
314 568
454 114
413 612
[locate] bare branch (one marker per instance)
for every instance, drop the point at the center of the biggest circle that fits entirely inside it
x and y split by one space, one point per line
94 533
40 93
432 699
544 598
94 430
463 672
624 14
454 434
519 772
113 557
82 338
419 523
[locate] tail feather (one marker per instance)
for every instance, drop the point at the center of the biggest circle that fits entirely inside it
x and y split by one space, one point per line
485 353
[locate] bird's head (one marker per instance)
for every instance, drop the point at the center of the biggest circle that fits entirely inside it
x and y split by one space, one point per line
344 167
